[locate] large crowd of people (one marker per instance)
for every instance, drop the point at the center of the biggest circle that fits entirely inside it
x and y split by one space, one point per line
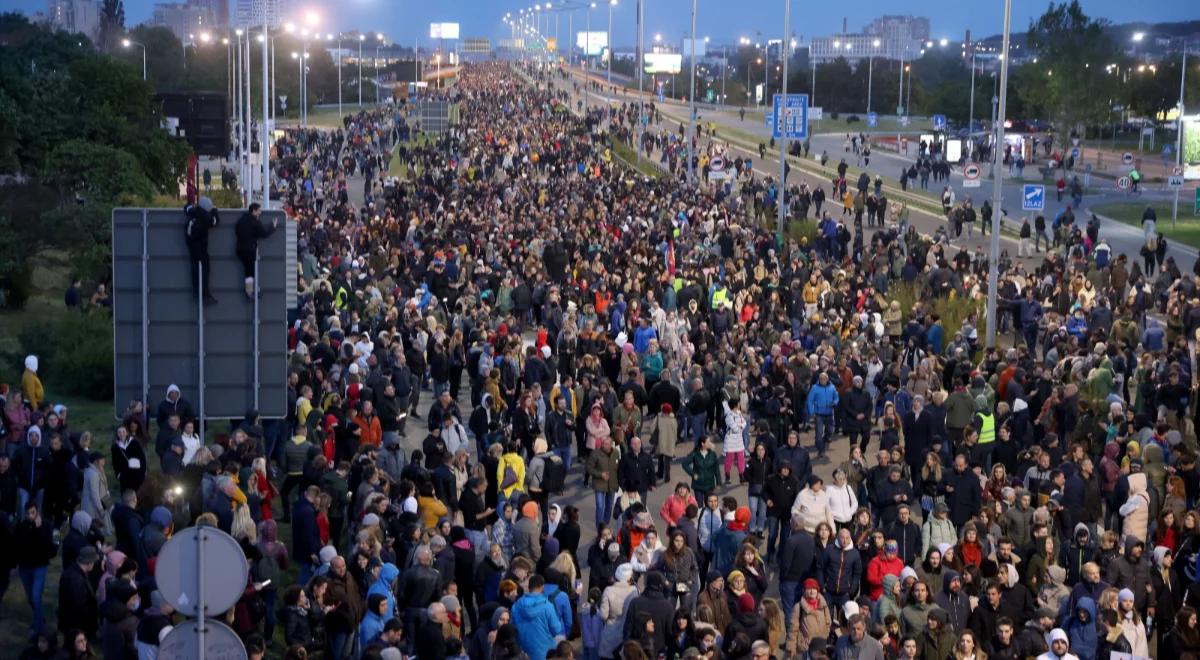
555 330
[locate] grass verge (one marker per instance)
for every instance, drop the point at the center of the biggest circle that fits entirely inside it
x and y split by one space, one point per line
1185 230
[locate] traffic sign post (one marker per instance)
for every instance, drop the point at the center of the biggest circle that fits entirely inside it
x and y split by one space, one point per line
1127 158
816 113
790 119
872 119
971 176
1175 181
939 122
1033 198
1124 183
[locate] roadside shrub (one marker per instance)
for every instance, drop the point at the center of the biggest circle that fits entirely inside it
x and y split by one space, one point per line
75 352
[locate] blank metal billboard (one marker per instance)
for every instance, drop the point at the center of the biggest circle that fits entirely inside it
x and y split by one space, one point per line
158 321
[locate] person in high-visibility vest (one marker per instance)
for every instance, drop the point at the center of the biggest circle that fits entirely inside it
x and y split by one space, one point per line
985 426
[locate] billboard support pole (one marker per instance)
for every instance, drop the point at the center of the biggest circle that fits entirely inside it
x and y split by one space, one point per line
200 348
256 327
1179 136
785 47
145 309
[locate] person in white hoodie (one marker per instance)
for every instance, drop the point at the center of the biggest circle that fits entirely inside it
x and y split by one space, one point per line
812 505
843 503
1060 647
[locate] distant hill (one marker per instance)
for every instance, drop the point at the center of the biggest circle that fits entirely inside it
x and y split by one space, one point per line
1124 32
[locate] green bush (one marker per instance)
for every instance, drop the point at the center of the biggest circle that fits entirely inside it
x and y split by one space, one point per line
952 311
75 352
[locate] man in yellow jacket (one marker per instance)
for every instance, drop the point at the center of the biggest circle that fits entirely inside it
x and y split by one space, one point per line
31 385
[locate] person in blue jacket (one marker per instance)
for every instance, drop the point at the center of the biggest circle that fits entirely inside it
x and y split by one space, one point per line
1081 629
822 400
384 586
375 619
558 595
536 620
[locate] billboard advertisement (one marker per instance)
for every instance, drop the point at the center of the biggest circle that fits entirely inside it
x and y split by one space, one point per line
663 62
1191 147
591 43
686 47
443 30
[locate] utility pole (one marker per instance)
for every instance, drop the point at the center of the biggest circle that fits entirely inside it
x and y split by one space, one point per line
610 42
783 104
692 106
1179 135
264 133
997 182
339 42
638 63
971 116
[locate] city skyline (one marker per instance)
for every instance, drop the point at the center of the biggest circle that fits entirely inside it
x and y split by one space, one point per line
404 22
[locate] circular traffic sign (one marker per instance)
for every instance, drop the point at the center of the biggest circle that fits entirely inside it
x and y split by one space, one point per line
1127 158
199 554
971 172
1177 170
183 642
1124 183
716 164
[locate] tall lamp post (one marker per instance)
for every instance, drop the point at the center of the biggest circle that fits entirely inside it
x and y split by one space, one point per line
611 4
127 43
378 43
871 72
692 104
997 182
361 39
785 44
1179 134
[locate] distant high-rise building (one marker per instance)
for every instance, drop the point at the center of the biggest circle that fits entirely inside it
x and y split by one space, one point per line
82 16
254 12
218 11
184 20
898 37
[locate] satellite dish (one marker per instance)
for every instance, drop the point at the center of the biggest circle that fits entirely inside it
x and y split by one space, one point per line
183 642
202 556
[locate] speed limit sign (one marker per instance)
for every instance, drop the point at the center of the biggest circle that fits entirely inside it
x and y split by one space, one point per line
1124 183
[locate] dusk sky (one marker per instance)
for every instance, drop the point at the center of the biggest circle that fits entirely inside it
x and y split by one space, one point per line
724 21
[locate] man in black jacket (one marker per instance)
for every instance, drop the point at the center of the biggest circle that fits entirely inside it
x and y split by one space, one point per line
907 535
201 217
780 491
856 413
77 605
249 230
797 560
636 471
961 489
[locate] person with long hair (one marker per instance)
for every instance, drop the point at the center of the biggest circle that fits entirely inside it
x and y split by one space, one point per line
679 566
775 625
1184 638
968 647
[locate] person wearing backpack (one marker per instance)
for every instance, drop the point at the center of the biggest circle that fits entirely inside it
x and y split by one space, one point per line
510 473
535 475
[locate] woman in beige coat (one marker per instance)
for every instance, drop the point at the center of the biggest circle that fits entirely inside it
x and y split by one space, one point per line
810 619
663 437
614 602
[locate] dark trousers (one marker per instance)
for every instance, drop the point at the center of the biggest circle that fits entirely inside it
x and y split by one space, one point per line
285 492
199 256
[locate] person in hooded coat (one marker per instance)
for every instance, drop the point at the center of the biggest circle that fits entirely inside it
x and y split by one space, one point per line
954 601
1081 629
747 620
537 621
614 606
1135 512
118 633
480 644
656 602
78 607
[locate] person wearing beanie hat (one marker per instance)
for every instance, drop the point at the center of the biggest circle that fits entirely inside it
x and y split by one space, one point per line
201 217
746 620
526 532
809 621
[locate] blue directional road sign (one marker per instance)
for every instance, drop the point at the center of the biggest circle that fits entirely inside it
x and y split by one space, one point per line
939 122
790 119
872 119
1033 198
1075 153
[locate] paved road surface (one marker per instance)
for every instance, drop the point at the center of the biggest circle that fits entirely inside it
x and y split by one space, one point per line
1121 237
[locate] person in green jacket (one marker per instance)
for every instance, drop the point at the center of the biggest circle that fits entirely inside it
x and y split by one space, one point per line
937 642
703 466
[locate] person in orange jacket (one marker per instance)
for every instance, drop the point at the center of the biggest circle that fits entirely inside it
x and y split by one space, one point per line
369 430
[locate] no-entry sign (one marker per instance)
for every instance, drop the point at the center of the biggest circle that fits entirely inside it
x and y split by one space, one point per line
971 176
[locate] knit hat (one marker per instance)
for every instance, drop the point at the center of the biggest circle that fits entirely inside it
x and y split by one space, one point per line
735 573
850 609
1125 594
746 604
812 584
891 547
623 572
529 509
908 572
450 603
327 554
370 520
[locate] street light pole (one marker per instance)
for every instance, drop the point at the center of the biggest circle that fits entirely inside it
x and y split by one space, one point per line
638 63
611 4
971 115
361 39
339 42
997 183
724 72
587 45
1179 135
871 72
264 134
692 105
783 141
